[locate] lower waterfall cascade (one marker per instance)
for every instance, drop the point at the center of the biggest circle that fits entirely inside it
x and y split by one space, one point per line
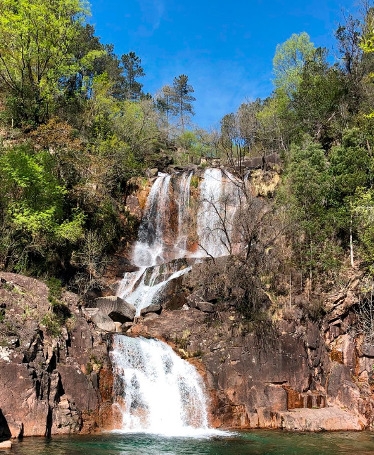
158 392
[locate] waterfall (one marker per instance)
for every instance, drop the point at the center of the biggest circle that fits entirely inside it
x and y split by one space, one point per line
166 225
158 391
183 203
144 287
159 242
220 195
149 248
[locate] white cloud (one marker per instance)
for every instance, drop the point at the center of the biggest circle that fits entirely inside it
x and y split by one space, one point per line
152 14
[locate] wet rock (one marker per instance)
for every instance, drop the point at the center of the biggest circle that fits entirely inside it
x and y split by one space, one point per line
153 308
173 296
126 326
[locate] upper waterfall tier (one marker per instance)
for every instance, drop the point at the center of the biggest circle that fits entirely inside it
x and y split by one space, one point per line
149 248
181 220
172 227
220 194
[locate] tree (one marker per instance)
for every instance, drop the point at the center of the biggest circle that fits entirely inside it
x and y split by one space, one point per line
35 52
181 99
275 123
289 60
319 99
164 101
132 69
248 122
34 208
92 59
305 195
351 170
231 141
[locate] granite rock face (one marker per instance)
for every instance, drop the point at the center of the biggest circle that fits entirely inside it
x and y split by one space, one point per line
296 374
290 377
52 380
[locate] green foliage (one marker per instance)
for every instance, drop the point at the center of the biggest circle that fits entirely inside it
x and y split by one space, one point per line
60 312
52 324
54 290
289 60
35 199
363 209
367 38
276 123
63 185
350 164
36 52
318 100
194 145
305 193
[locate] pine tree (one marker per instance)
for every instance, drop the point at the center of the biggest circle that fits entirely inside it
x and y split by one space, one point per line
181 99
132 69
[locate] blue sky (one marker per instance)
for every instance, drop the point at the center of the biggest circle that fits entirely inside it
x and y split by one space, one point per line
224 47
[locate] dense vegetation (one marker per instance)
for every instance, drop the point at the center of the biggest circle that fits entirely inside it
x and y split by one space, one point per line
77 125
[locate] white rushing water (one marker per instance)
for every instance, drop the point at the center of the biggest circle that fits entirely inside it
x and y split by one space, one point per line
159 392
166 225
220 195
144 287
183 202
149 248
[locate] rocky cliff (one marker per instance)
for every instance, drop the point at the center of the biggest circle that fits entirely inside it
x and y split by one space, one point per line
54 379
295 373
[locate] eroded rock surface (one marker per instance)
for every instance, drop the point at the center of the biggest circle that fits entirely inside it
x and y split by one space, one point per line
290 377
51 377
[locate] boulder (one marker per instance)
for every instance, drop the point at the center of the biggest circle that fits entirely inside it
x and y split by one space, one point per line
153 308
103 321
367 350
152 172
116 308
206 307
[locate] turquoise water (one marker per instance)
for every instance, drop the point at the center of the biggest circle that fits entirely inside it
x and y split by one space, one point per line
243 443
